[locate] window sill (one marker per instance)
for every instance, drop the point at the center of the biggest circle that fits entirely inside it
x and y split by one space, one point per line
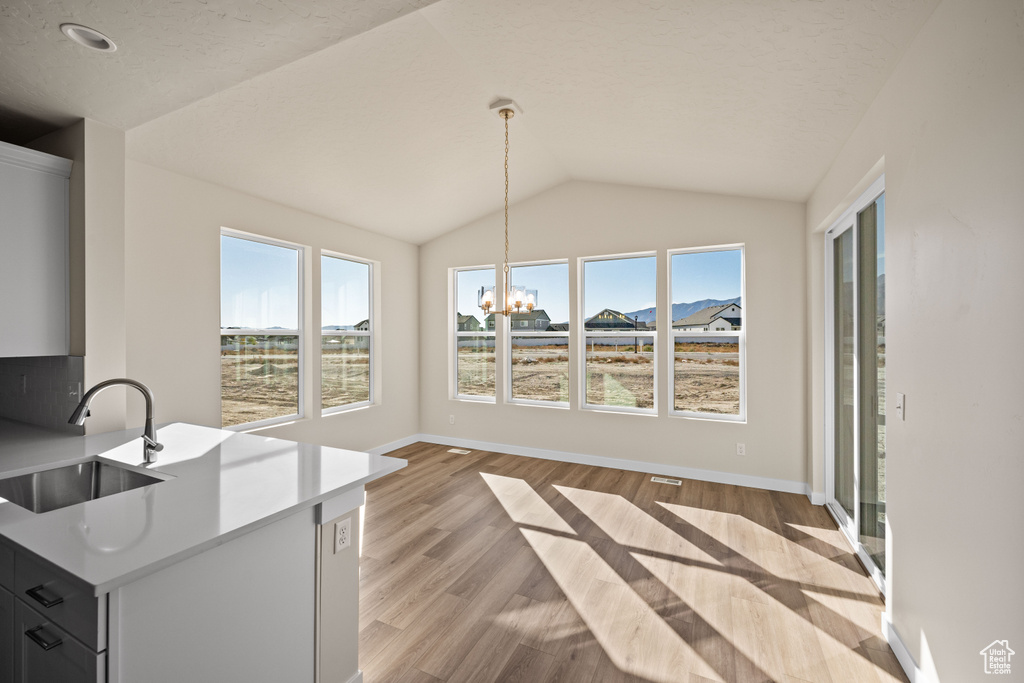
473 399
708 417
348 408
622 410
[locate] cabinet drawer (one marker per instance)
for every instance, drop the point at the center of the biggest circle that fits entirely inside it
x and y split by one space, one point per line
44 652
63 599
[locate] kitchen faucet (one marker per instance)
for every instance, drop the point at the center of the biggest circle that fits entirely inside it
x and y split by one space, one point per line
150 446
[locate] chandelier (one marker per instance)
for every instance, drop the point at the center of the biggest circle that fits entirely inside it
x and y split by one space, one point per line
515 298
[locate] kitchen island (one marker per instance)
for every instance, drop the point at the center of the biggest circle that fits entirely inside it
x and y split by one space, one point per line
222 571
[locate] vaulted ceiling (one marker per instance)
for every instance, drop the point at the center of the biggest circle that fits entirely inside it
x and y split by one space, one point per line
375 113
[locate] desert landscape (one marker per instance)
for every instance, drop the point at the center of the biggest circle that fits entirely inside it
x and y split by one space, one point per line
257 383
706 376
260 381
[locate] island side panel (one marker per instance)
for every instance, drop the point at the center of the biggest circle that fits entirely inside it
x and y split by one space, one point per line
338 620
243 611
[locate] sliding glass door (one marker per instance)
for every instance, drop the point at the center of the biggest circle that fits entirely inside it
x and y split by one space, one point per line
855 263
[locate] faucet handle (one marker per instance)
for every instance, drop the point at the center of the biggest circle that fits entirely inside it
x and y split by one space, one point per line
152 445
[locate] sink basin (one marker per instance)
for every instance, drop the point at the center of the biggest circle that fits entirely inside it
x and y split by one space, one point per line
60 487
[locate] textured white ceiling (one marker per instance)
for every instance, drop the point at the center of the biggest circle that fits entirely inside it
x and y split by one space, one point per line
170 52
388 129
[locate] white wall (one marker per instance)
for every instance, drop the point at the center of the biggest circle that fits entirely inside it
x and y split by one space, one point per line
589 219
172 269
949 126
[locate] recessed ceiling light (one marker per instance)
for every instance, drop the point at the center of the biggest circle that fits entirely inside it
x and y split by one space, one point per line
90 38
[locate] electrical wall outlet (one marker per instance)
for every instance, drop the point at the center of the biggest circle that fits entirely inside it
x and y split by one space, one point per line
342 534
451 419
741 449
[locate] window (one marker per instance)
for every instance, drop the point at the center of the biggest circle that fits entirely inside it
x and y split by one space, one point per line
538 360
708 332
474 340
261 339
619 317
346 334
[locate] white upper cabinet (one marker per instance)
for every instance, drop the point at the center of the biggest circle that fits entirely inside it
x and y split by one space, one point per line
33 253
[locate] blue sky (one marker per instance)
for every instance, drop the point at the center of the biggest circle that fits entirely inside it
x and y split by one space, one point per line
345 293
706 275
552 284
622 285
468 283
259 284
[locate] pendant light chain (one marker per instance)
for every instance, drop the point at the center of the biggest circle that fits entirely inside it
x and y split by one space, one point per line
506 304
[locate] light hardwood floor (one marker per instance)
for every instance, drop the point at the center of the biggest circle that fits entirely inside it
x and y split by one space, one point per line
493 567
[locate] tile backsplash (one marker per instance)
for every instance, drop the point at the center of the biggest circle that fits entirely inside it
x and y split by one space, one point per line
42 391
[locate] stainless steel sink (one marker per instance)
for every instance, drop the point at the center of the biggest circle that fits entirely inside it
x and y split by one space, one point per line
60 487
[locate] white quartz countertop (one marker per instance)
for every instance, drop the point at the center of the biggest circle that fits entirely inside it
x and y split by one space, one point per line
221 485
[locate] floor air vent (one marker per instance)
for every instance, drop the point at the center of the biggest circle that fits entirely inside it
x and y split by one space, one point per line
460 451
666 480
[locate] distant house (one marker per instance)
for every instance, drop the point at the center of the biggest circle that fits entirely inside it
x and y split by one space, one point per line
534 321
723 318
362 325
469 323
558 327
609 319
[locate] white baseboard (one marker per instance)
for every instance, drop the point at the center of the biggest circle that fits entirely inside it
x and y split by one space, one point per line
395 445
816 497
906 660
614 463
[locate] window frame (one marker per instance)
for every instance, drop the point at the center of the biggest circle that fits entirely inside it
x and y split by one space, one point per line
583 335
300 258
455 334
532 332
740 335
369 333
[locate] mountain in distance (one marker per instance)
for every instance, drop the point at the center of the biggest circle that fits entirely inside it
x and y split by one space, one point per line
681 310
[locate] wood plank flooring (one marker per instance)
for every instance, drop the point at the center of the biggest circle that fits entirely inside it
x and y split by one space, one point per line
493 567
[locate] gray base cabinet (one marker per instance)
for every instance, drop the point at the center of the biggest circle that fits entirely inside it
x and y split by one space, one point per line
50 624
6 636
46 653
247 610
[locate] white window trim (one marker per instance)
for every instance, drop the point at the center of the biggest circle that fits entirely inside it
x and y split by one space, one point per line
372 400
301 258
454 334
740 335
533 332
584 334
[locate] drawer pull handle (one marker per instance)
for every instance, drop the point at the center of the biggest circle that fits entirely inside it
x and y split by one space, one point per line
47 602
34 635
